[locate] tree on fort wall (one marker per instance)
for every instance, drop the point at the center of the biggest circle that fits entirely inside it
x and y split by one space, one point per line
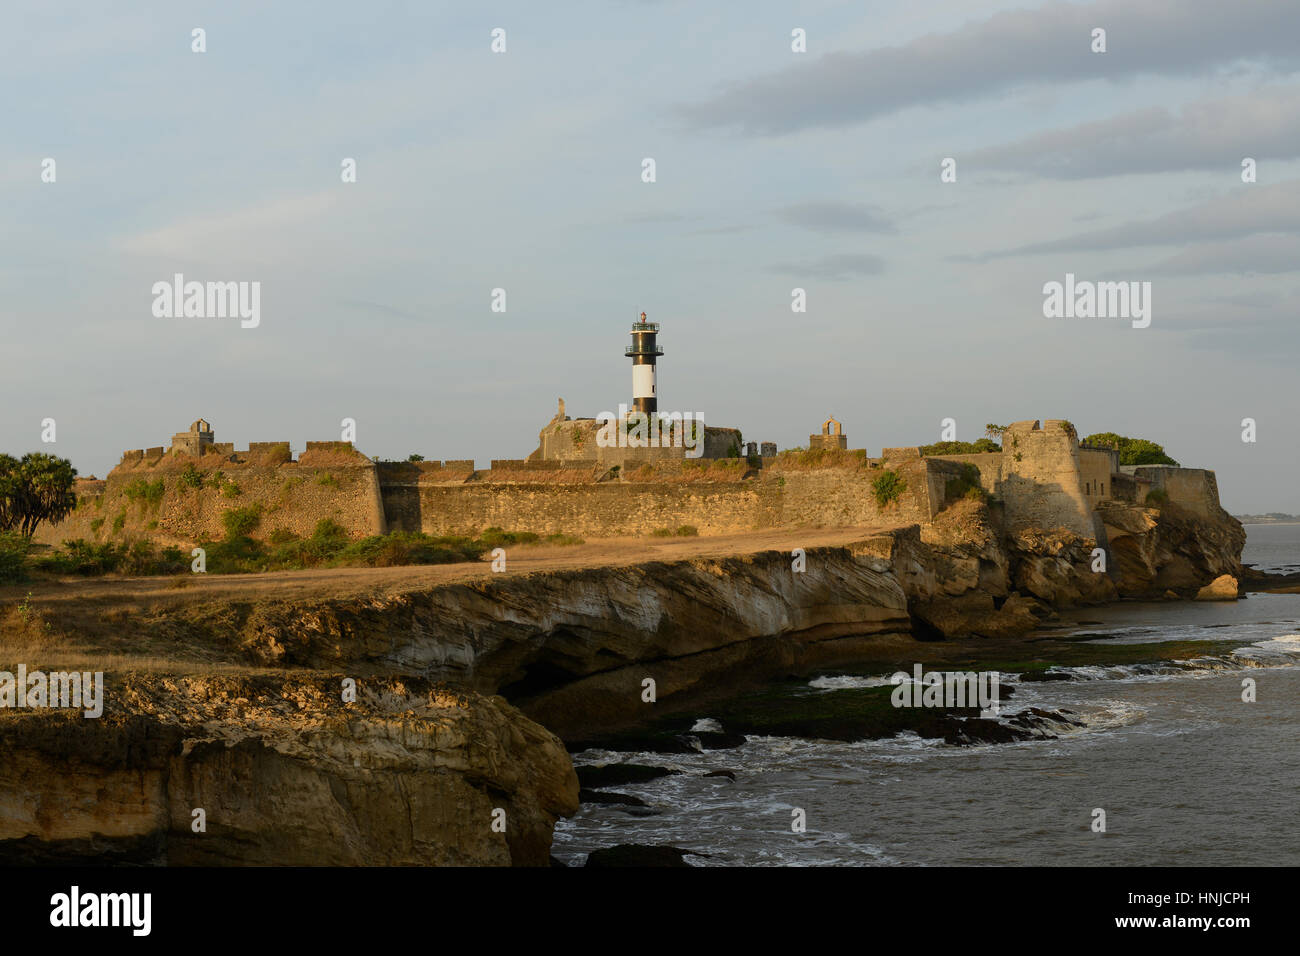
35 488
1132 451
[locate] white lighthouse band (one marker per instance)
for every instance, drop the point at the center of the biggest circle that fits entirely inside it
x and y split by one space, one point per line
643 381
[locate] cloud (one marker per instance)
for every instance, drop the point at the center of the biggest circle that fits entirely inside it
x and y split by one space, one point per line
1213 134
256 232
1251 255
836 267
1248 210
835 216
1050 44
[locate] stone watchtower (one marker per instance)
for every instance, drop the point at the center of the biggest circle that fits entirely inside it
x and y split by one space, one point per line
832 436
194 441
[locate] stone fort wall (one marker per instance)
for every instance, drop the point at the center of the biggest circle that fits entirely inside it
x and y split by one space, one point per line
1044 478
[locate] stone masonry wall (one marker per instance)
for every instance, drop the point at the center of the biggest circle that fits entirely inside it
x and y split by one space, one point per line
292 495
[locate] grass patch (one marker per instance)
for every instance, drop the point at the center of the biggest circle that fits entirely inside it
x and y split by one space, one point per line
147 493
681 531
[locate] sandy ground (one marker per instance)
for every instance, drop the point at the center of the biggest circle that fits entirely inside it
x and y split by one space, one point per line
64 594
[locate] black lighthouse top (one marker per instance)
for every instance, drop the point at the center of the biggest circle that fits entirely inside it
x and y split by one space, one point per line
643 337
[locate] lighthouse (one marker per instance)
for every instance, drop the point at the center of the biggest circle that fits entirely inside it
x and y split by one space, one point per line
644 351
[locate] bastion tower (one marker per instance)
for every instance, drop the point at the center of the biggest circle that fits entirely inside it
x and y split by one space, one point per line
644 351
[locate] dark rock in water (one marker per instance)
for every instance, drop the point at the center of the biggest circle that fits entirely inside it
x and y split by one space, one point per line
1036 676
641 811
604 796
616 774
719 740
637 854
558 863
722 773
966 733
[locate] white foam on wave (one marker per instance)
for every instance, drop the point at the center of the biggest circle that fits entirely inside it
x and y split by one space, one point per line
850 682
1278 651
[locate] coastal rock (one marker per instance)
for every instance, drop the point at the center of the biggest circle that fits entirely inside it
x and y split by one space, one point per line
1153 551
286 774
637 854
1222 588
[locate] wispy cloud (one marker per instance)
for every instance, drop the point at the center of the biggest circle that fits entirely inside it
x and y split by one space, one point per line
836 216
1250 210
1212 134
844 266
1050 44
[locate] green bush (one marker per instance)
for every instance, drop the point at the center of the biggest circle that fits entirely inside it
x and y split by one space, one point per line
13 557
1157 497
241 522
662 532
120 521
329 528
191 477
687 531
1132 451
79 556
96 525
980 445
887 486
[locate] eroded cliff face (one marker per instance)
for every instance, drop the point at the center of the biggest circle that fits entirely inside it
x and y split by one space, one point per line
286 774
574 648
1171 549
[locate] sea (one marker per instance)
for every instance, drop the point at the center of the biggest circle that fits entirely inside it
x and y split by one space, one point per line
1170 766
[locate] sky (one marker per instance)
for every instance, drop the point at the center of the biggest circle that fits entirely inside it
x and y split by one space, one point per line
774 170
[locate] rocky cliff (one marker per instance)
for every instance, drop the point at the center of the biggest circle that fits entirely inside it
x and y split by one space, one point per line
285 774
412 772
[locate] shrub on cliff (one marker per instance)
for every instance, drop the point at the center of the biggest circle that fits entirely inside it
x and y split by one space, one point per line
191 477
241 522
887 487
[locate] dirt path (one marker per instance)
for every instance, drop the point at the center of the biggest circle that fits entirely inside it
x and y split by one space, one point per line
64 594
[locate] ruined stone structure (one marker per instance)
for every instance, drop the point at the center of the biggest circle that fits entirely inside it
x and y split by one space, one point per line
832 436
1047 479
